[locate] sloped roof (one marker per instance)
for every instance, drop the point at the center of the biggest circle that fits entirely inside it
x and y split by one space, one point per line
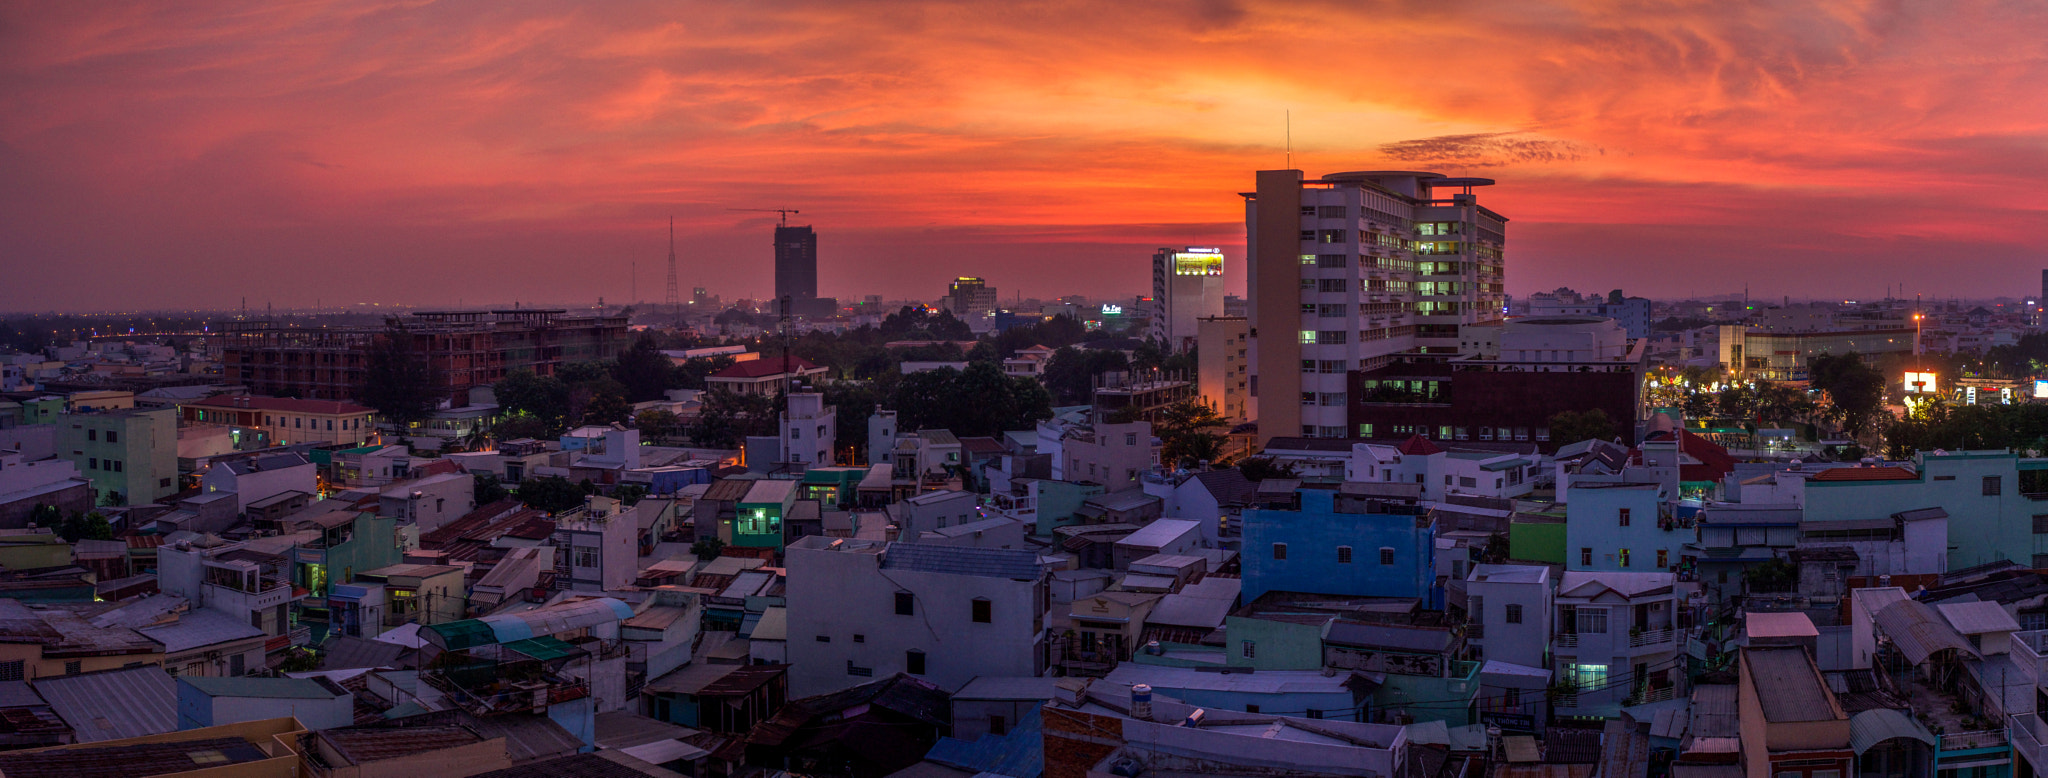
1418 446
280 404
1227 486
1919 632
765 367
114 704
200 628
1977 618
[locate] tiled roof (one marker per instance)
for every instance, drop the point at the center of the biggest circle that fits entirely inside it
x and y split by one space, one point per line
1419 446
765 367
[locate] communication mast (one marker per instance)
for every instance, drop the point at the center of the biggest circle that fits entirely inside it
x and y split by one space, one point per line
675 295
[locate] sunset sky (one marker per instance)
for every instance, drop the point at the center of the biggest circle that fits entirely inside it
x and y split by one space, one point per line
192 153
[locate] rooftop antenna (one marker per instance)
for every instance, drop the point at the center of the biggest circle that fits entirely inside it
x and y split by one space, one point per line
1290 139
675 295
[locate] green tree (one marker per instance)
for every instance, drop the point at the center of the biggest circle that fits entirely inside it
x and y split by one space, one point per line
629 494
553 494
1070 373
692 373
728 417
852 403
486 489
707 548
979 401
606 407
657 423
1568 427
545 398
1262 468
398 380
46 515
1189 432
643 370
1855 391
87 526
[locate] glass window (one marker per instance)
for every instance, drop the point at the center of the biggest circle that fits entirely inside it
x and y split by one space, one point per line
1280 551
913 662
1514 614
1589 677
1593 621
1994 485
1250 649
1343 555
1386 555
1624 516
905 603
982 611
1624 557
1585 557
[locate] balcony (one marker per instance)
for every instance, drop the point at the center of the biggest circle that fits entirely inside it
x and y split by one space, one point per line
2030 652
1647 696
1968 741
1567 640
511 697
2027 733
1651 637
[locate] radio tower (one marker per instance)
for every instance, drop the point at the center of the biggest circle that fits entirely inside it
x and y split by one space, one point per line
675 296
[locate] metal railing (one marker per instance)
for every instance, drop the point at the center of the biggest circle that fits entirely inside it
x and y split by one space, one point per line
1964 741
1650 637
1567 640
1644 696
2026 733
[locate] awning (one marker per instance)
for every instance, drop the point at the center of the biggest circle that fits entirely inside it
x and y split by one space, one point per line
544 648
662 752
1874 726
459 635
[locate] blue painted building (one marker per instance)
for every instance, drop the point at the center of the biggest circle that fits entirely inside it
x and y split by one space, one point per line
1350 539
1991 514
1623 527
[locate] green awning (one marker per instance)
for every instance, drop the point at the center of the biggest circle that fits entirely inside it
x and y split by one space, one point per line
544 648
464 634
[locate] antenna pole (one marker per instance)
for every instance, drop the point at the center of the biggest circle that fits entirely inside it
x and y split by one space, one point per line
675 295
1290 139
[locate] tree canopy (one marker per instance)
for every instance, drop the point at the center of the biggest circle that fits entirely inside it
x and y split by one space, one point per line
1568 427
978 401
398 380
1855 390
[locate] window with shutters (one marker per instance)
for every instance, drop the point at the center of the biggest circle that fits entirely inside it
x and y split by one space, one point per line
12 671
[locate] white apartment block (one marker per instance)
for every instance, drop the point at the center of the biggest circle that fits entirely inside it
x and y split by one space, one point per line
1187 286
864 609
809 429
1353 268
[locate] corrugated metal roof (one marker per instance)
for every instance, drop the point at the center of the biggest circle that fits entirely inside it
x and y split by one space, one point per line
1918 631
690 679
1017 564
1978 618
1351 633
774 625
267 688
1160 533
114 704
557 618
1874 726
1796 691
467 633
544 648
1716 711
201 628
1181 610
1018 752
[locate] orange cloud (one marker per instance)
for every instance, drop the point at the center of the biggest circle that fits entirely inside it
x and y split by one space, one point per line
534 151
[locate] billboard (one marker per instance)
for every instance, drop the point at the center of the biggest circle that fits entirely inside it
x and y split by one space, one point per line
2041 389
1920 382
1198 262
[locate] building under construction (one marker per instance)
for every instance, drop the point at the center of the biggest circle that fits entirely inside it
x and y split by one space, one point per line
464 349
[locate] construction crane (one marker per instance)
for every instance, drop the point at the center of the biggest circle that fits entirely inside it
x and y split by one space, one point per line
784 211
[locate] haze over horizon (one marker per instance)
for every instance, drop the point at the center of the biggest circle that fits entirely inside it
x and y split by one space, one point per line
188 155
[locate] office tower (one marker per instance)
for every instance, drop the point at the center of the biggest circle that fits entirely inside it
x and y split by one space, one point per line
1350 271
796 266
972 301
1187 285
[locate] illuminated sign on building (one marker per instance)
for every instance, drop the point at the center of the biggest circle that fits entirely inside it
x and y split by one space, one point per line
1109 309
2041 389
1920 382
1198 262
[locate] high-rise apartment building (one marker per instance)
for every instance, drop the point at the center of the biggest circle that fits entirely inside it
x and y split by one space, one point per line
1187 285
1223 365
796 267
1352 269
972 301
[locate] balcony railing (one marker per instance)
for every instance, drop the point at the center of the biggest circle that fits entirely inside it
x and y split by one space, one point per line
1568 640
1646 696
1965 741
1650 637
2027 734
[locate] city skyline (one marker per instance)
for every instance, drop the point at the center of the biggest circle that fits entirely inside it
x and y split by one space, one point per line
176 156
